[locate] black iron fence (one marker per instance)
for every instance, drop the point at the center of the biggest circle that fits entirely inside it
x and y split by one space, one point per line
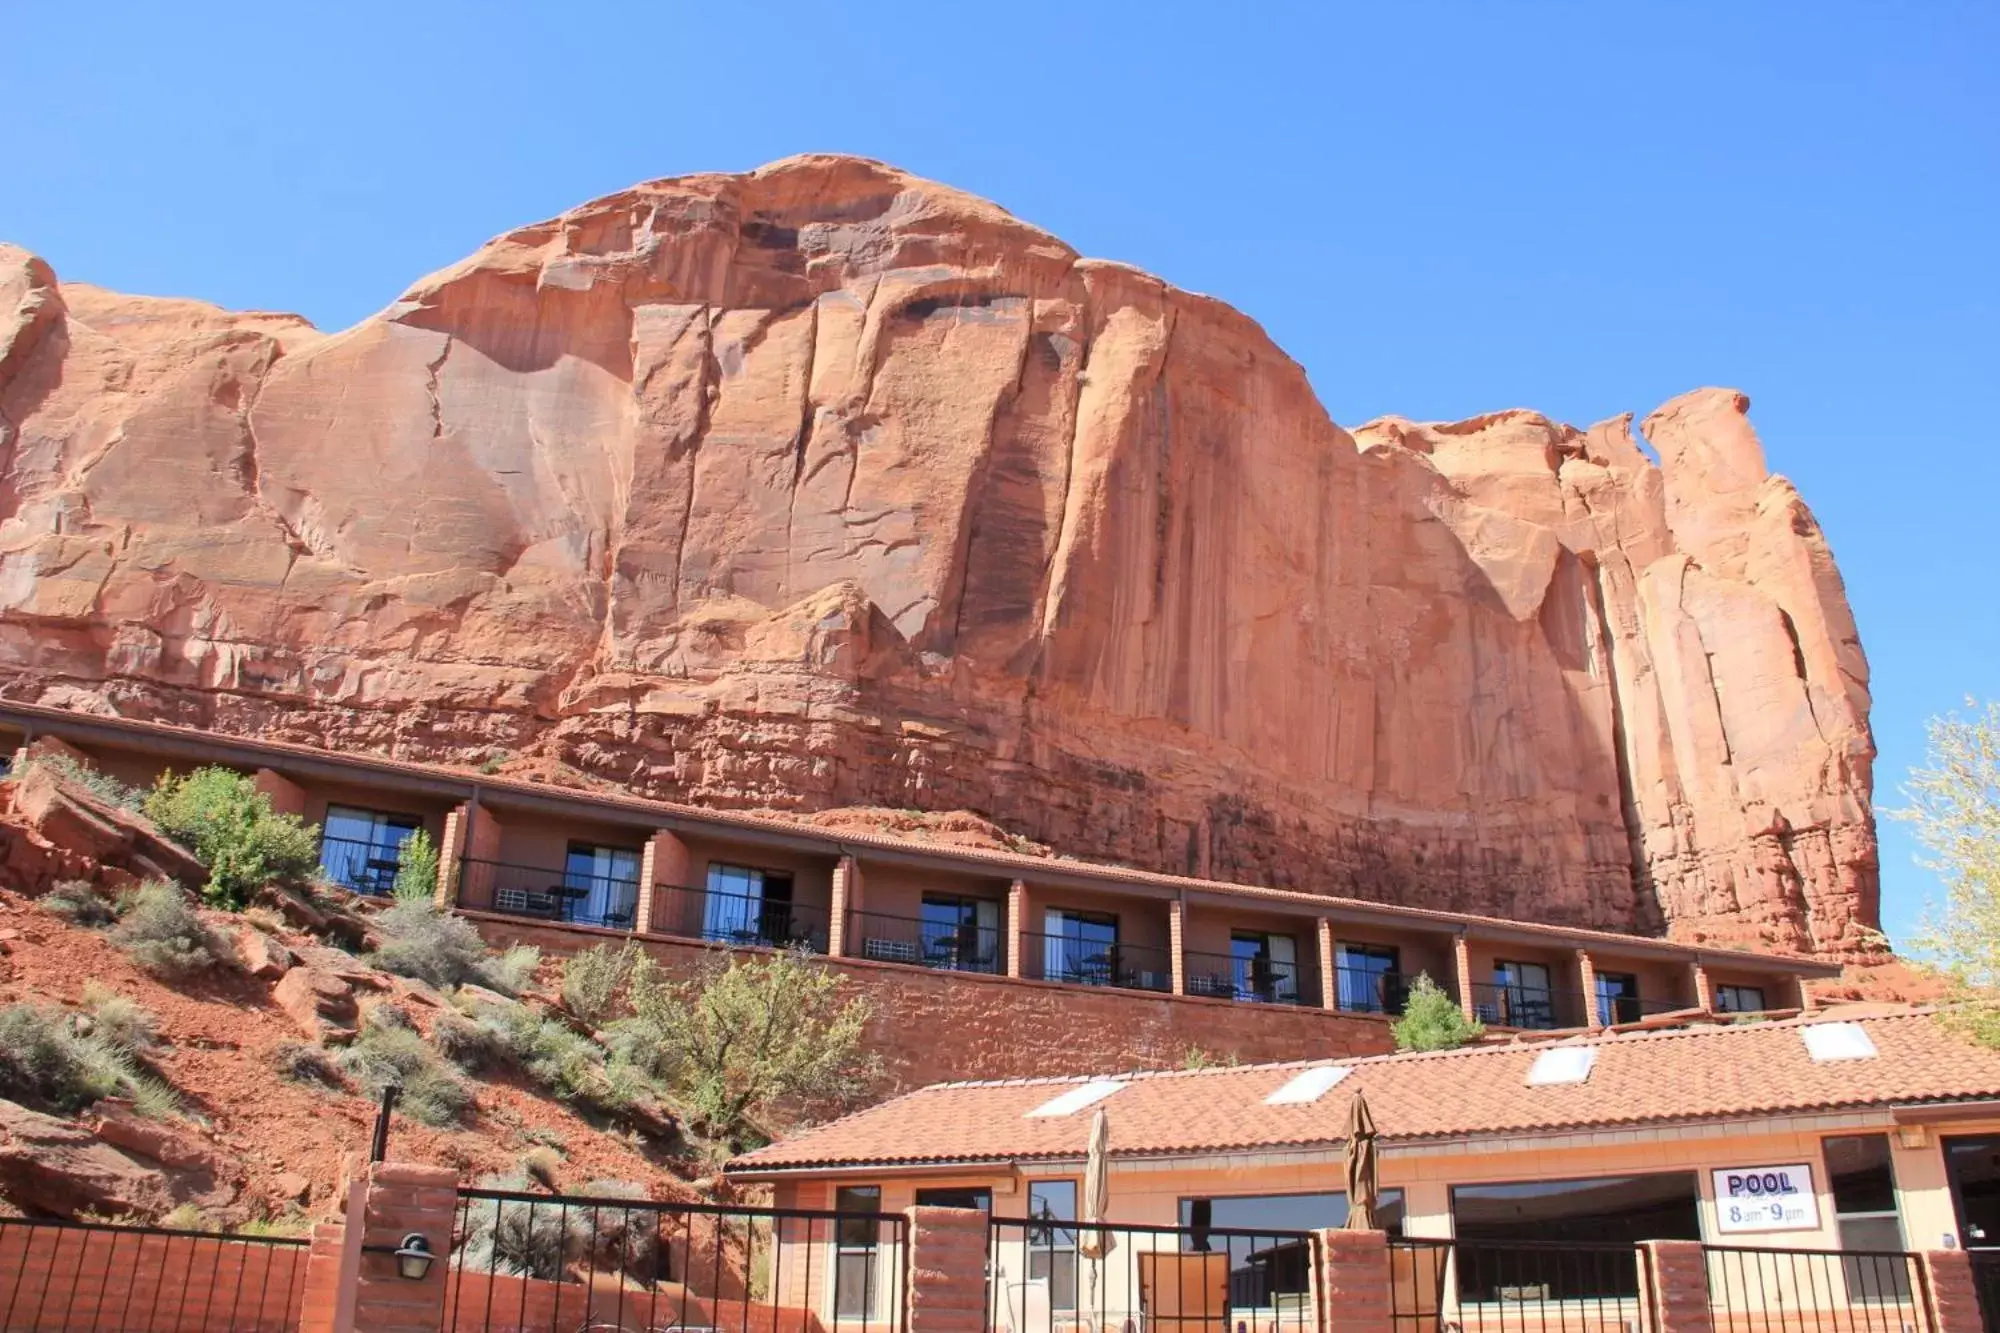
1417 1271
549 895
1051 1276
743 920
947 946
1083 962
1361 990
360 865
68 1276
1253 980
1513 1286
566 1262
1816 1291
1538 1007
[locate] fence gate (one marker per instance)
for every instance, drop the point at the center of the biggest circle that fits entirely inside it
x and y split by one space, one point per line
72 1277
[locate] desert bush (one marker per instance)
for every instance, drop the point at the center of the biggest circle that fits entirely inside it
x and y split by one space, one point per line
159 929
417 869
1433 1020
547 1051
44 1060
382 1054
592 979
101 785
120 1020
624 1234
512 1238
79 903
222 818
299 1063
745 1036
445 950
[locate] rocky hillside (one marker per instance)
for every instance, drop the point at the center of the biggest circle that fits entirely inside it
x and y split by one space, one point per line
825 486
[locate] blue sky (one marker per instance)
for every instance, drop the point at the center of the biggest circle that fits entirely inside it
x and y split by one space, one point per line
1440 209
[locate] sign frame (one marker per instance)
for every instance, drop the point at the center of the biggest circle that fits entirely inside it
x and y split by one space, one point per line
1761 1200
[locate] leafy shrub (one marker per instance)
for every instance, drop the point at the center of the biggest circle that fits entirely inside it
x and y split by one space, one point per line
1433 1020
445 950
417 869
161 932
42 1059
747 1035
383 1054
592 979
569 1066
120 1020
297 1062
79 903
222 818
517 1239
103 786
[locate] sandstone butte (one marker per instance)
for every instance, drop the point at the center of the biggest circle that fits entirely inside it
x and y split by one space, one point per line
825 486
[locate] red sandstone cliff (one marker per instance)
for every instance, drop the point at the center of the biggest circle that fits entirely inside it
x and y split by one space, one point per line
825 486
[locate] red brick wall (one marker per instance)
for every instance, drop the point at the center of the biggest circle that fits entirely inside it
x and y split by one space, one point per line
932 1027
59 1278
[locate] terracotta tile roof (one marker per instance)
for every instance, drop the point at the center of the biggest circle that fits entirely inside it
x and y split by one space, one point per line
1639 1078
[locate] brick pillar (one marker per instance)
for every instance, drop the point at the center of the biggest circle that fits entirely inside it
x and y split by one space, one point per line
1177 943
1807 1000
286 796
1329 972
451 846
1586 976
319 1303
667 863
945 1286
1954 1292
1704 990
1017 922
399 1199
1461 968
1354 1281
846 898
1677 1273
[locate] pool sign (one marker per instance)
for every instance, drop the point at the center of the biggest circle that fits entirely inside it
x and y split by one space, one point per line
1765 1198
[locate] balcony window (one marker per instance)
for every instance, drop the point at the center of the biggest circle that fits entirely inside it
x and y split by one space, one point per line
1739 999
854 1251
746 906
1617 998
363 849
1528 999
1080 947
602 884
960 934
1265 967
1505 1234
1052 1249
1369 978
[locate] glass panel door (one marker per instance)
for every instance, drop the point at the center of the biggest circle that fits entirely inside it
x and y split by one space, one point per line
1530 999
733 907
602 884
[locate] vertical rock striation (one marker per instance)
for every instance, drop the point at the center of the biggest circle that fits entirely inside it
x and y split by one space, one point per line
824 485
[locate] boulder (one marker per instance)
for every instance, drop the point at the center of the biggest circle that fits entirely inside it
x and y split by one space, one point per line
60 1167
72 817
113 1120
261 956
318 1002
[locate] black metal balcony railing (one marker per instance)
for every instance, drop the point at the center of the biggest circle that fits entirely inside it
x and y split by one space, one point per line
1633 1008
1537 1007
961 947
551 895
1081 962
1253 980
360 865
1362 990
744 920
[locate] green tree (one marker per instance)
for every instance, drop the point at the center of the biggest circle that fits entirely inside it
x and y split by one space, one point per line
221 817
1433 1020
744 1038
1954 811
417 869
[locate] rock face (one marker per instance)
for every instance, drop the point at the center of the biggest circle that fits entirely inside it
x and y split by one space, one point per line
826 486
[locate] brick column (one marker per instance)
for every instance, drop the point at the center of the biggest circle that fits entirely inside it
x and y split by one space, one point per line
1017 922
665 862
1704 991
1586 976
1177 943
286 796
1329 971
945 1287
1677 1273
1354 1281
326 1282
1461 967
400 1199
846 897
1807 1000
1954 1292
451 846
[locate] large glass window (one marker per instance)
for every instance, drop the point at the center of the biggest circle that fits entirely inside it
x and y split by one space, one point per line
363 849
1499 1226
1527 999
955 1196
1739 999
961 934
1051 1248
1266 967
746 906
602 884
1617 998
855 1240
1370 978
1284 1212
1081 947
1864 1201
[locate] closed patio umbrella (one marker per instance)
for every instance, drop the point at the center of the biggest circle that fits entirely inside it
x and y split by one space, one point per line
1363 1189
1092 1242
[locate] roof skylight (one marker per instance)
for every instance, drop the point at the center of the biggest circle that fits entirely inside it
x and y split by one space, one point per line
1562 1064
1837 1041
1308 1085
1069 1103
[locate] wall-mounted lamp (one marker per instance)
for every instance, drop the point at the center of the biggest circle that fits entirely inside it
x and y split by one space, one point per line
1911 1136
413 1257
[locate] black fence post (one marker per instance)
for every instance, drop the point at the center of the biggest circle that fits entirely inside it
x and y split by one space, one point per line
378 1150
